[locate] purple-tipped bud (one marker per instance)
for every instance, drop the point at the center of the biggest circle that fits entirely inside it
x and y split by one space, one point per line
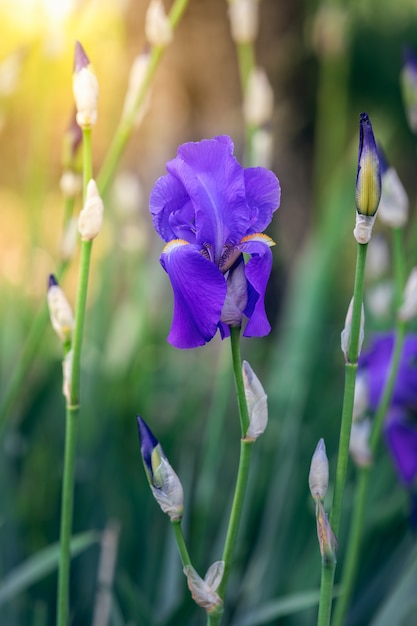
60 310
164 483
85 89
368 178
81 59
408 81
52 281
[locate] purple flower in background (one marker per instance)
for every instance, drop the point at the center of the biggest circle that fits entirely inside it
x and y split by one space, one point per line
211 211
401 422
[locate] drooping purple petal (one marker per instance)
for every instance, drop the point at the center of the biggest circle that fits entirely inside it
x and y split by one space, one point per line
172 210
401 438
257 270
199 293
214 181
263 194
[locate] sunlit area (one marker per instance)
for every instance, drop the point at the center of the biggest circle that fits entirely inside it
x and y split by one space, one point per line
208 348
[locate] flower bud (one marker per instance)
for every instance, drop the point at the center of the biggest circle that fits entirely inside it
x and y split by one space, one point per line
137 77
318 478
71 184
69 240
60 310
158 28
258 104
408 80
85 89
408 310
327 540
368 178
359 442
379 299
71 145
204 591
378 258
262 147
346 332
393 207
244 20
256 400
361 398
90 219
164 482
67 376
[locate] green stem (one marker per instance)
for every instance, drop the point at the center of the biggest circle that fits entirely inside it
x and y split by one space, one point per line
329 566
238 376
246 63
73 408
182 548
361 497
127 123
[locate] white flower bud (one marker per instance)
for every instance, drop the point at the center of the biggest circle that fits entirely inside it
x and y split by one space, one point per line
244 20
90 220
204 591
169 493
393 206
363 227
71 184
359 442
67 376
69 240
408 309
137 77
85 90
345 335
262 147
158 28
60 311
361 399
378 257
258 104
379 299
318 478
256 400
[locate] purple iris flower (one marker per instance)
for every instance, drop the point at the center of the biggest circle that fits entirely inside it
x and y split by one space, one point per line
401 422
211 211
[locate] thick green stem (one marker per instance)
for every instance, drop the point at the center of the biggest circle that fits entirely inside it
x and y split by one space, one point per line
361 496
73 407
238 376
328 567
182 548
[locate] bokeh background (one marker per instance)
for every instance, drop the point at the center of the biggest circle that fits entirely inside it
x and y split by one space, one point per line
326 63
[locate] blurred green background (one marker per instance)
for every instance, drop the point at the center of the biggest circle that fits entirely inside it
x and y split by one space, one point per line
326 63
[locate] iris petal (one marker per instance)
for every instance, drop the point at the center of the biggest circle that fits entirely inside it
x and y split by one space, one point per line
199 293
401 437
172 210
214 181
257 270
263 194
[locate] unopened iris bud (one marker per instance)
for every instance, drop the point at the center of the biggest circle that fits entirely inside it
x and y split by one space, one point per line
204 591
368 181
67 376
244 20
258 104
158 28
408 309
85 89
164 482
90 219
327 540
60 310
346 332
137 77
393 207
359 442
256 400
318 478
408 80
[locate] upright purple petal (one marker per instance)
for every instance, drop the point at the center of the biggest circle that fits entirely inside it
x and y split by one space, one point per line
199 293
263 194
172 210
214 181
